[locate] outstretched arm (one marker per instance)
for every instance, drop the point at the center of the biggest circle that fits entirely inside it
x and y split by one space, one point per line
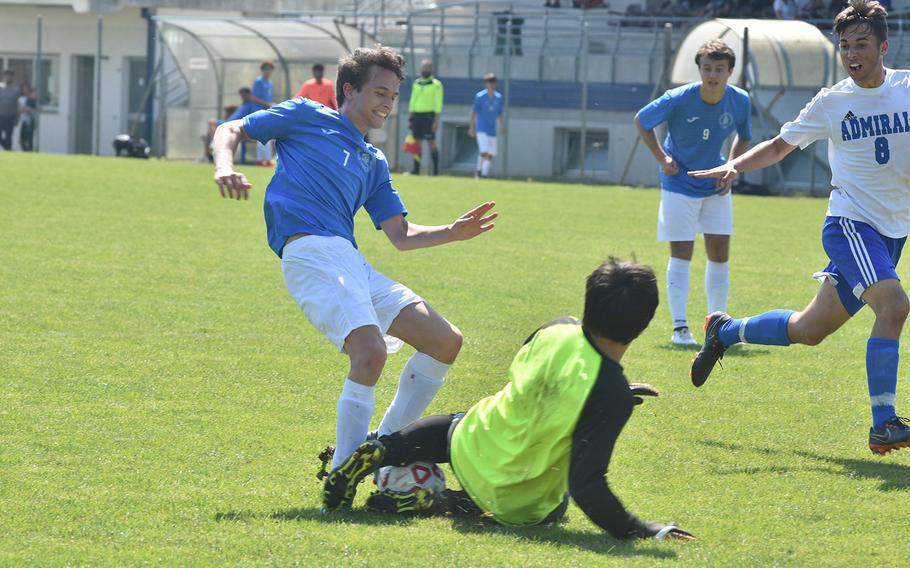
224 144
763 155
410 236
606 411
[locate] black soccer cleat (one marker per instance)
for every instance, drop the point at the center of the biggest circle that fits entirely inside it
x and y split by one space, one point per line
711 351
341 484
892 435
419 501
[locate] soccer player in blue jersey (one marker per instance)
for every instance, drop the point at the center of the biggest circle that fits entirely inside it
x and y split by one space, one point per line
700 117
866 120
485 113
263 93
325 174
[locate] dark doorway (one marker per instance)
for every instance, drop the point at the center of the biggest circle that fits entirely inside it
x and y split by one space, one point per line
83 104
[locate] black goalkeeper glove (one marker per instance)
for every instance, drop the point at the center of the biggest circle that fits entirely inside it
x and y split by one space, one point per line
642 389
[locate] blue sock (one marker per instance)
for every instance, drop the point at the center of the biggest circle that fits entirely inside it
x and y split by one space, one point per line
881 370
769 328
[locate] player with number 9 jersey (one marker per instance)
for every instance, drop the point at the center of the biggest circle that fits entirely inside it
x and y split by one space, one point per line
700 118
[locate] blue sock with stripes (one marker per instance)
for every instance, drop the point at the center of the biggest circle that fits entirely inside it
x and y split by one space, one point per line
769 328
881 370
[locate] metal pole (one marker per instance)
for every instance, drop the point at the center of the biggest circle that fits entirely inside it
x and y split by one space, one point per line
151 35
433 49
744 82
584 97
38 72
507 64
96 111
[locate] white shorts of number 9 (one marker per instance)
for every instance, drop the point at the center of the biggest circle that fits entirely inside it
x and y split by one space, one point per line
681 217
486 144
339 291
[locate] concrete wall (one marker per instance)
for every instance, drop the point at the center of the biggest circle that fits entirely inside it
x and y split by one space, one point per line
68 34
532 144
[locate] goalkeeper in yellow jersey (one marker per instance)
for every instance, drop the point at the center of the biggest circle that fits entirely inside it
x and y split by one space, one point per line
547 435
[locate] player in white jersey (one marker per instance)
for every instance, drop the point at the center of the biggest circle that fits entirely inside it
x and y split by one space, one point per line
866 119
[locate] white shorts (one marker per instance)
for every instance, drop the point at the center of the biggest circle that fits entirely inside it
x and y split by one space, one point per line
486 144
681 217
339 291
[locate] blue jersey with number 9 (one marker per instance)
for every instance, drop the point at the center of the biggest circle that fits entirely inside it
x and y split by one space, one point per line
326 171
696 132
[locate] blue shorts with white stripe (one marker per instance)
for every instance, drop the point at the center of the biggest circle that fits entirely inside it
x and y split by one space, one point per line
860 257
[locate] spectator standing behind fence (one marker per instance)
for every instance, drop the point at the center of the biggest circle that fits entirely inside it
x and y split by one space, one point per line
785 9
9 109
485 113
263 95
425 108
28 104
319 89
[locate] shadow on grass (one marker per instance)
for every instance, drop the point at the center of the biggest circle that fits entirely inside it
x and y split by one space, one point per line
556 535
893 476
314 514
552 535
734 351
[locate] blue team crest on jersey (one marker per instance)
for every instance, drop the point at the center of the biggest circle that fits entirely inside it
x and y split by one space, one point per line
725 120
366 160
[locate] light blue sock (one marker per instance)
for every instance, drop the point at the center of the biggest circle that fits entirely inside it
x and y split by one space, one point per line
769 328
881 371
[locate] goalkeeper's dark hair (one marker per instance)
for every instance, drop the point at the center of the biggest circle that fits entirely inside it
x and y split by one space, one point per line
620 300
868 13
357 68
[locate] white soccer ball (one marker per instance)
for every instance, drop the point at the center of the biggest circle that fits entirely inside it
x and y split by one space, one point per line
411 477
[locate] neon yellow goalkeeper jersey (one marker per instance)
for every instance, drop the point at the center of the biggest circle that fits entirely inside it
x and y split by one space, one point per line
511 451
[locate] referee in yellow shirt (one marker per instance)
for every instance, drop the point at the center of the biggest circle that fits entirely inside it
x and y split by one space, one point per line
425 108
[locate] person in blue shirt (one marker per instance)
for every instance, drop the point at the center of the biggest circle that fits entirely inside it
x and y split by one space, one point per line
326 172
700 117
246 107
485 113
263 93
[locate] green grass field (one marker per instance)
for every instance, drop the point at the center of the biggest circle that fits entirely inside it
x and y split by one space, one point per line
162 400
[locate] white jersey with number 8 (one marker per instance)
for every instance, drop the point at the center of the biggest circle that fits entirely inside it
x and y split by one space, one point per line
869 141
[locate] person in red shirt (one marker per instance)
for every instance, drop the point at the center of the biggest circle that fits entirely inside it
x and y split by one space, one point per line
319 89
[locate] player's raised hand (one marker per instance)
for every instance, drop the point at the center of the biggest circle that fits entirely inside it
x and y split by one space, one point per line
474 222
724 174
232 184
669 166
660 531
642 389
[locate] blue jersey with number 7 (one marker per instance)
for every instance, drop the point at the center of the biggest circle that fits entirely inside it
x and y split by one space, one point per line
696 132
326 172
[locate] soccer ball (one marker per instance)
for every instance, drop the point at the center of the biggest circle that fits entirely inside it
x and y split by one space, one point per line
411 477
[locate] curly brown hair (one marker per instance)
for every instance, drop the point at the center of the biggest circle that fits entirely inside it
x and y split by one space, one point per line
716 49
356 68
866 13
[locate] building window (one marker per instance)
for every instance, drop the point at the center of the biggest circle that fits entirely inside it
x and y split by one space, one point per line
24 68
569 158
